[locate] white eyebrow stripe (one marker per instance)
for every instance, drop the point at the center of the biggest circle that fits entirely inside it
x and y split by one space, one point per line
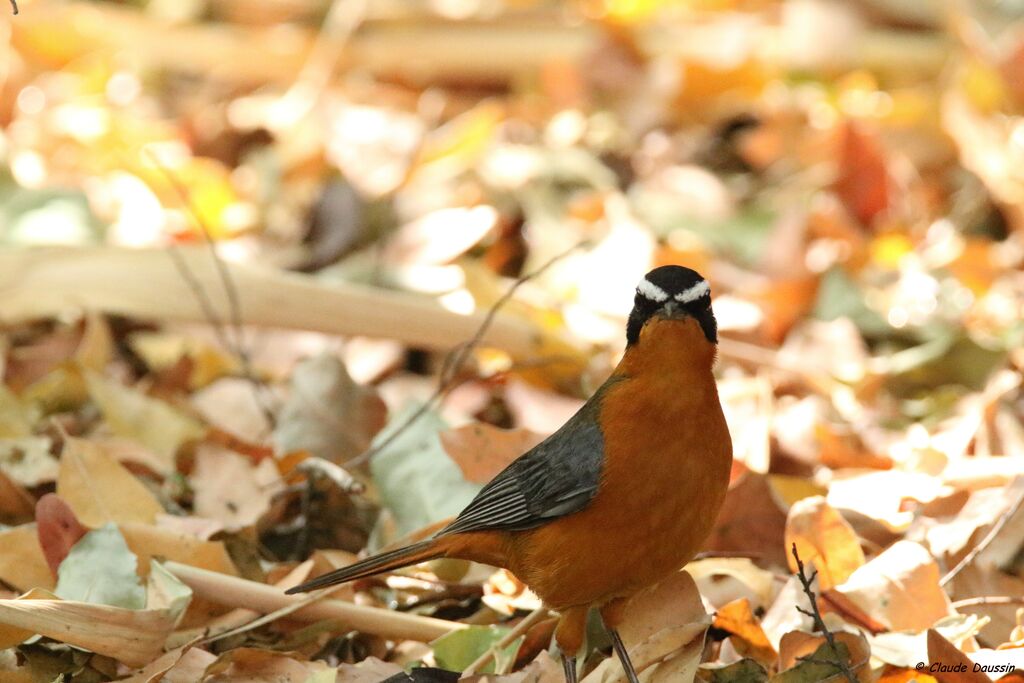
652 291
693 293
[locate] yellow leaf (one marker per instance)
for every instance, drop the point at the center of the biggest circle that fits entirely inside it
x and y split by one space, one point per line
133 415
824 540
22 563
100 490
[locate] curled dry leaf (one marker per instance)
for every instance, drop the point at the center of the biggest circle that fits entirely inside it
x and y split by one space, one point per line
99 489
481 450
824 540
943 652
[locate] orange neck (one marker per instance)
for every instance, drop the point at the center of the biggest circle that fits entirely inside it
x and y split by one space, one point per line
674 351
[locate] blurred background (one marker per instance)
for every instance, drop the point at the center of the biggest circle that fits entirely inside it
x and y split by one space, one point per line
374 176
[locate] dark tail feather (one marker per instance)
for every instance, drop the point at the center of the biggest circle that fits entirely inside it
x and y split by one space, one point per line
394 559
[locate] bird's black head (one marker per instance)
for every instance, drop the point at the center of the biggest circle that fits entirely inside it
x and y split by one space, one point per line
672 292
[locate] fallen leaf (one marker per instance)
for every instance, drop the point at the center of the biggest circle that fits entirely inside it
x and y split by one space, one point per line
723 580
152 422
748 637
249 665
743 671
327 413
943 653
455 651
22 563
233 404
750 521
418 483
28 460
370 670
16 504
482 451
863 184
100 569
58 528
898 589
231 489
16 418
665 623
824 541
99 489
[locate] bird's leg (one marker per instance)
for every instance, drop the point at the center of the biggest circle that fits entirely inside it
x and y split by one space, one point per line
572 625
612 614
569 666
620 650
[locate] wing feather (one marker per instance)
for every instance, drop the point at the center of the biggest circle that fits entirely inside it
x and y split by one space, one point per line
557 477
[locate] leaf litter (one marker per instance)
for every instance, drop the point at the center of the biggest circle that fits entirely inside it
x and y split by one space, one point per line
181 441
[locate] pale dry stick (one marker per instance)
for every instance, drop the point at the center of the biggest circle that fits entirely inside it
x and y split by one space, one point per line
805 582
986 600
985 542
457 357
522 627
233 591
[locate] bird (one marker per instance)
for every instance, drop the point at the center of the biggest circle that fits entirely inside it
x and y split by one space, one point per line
622 495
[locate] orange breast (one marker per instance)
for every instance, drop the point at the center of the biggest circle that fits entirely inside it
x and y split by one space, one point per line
667 460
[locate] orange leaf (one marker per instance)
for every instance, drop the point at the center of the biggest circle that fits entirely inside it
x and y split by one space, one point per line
824 540
749 638
863 182
944 655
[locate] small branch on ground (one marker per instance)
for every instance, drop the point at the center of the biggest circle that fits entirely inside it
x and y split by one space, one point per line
985 542
815 614
456 359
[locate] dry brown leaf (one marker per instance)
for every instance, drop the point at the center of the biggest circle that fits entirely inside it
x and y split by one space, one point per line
249 665
898 589
370 670
943 652
863 182
751 521
16 504
99 489
58 529
748 637
661 621
824 540
22 563
155 671
230 488
482 451
134 637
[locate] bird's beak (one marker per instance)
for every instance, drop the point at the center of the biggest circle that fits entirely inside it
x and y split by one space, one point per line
673 309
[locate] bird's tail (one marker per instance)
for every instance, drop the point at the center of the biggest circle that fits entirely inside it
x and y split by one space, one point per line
429 549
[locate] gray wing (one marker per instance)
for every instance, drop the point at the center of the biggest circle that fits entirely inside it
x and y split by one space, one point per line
558 477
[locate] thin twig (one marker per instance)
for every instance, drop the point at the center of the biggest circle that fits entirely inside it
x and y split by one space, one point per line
819 623
519 629
457 358
14 6
238 346
985 542
986 600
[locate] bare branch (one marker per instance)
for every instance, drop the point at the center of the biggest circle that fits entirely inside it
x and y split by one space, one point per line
815 614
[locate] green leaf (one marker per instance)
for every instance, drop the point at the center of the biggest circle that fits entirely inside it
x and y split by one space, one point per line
818 667
417 480
101 569
743 671
51 216
458 649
